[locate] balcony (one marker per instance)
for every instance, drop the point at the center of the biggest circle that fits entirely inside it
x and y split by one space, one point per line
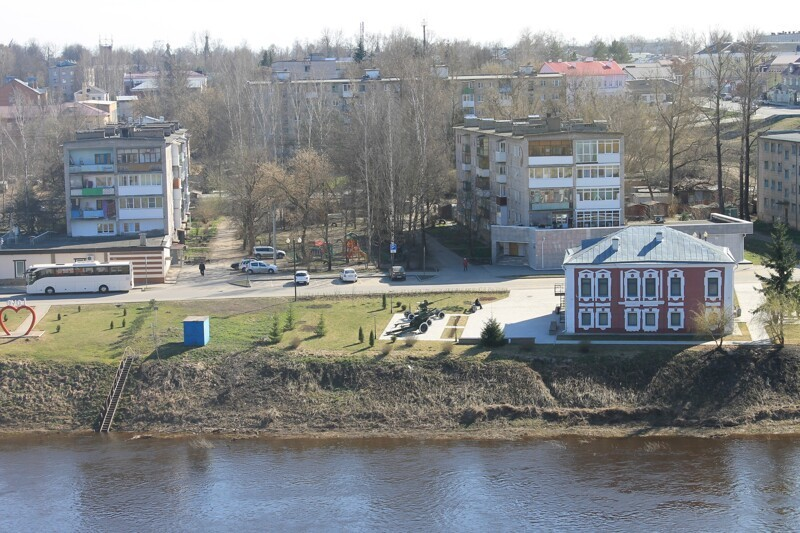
467 103
553 206
500 157
92 191
562 160
501 178
483 172
91 214
466 167
139 167
501 200
75 169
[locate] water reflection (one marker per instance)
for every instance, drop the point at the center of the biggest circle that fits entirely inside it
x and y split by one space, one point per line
113 483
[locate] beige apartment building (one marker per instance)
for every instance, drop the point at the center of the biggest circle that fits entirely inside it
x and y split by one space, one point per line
777 183
538 173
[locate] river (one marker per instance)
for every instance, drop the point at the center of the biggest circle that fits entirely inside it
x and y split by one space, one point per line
113 483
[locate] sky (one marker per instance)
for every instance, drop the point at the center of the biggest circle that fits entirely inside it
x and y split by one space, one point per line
140 24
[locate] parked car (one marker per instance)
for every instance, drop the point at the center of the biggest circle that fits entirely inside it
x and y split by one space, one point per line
348 274
267 252
242 265
301 277
398 273
261 267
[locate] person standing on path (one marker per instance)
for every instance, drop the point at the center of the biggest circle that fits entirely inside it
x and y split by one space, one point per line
466 264
202 268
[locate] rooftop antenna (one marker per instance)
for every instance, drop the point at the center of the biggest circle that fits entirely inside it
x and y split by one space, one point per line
424 36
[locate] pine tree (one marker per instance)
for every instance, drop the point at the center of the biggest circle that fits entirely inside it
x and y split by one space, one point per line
492 334
290 319
360 54
360 334
781 259
372 338
275 330
321 329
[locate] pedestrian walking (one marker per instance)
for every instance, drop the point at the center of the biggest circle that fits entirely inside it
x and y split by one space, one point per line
202 268
466 264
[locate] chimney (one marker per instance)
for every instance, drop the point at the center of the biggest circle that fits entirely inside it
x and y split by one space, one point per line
659 236
143 239
615 243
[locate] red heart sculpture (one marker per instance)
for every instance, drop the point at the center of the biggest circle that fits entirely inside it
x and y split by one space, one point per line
16 310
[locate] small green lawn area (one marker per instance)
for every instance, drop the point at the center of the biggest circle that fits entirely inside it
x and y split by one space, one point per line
235 325
755 250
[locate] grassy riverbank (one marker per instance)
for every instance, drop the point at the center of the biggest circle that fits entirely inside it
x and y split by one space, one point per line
269 392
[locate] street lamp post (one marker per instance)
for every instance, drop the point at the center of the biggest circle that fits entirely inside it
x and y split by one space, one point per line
294 262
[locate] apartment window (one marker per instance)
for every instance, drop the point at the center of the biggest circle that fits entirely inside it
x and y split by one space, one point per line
501 169
549 148
676 319
346 87
101 181
102 159
501 147
766 166
766 182
597 218
598 194
556 83
480 85
766 146
586 151
712 288
130 227
650 319
675 287
780 186
586 319
549 172
141 202
19 268
362 88
105 228
598 171
134 180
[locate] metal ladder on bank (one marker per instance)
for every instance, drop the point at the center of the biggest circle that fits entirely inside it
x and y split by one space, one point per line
112 401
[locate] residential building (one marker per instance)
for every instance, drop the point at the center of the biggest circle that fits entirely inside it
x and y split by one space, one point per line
777 183
127 179
90 92
66 77
603 78
539 173
313 67
147 82
646 280
17 92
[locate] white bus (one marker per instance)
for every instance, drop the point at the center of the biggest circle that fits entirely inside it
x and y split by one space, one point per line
88 276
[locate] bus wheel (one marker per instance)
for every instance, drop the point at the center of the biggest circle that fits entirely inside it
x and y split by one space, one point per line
49 290
103 288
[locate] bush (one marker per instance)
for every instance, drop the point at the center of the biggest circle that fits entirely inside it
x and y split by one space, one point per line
492 334
393 339
360 334
386 349
372 338
58 317
58 328
295 342
383 300
447 348
403 307
123 322
398 303
124 311
410 341
112 325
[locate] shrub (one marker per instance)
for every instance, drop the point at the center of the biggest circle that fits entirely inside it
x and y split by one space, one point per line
398 303
295 342
393 339
360 334
403 307
124 311
447 348
386 349
58 328
410 341
79 308
5 317
321 329
59 316
383 301
290 319
123 322
372 338
112 325
275 330
492 334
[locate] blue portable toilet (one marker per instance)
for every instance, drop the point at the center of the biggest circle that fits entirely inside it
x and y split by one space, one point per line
195 331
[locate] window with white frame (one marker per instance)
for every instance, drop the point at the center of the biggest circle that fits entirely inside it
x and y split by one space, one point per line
650 319
586 319
632 285
676 284
130 227
650 285
598 171
632 320
105 228
712 284
585 282
501 147
549 172
603 318
675 318
603 285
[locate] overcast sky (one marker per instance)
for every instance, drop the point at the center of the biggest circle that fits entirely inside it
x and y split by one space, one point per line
259 24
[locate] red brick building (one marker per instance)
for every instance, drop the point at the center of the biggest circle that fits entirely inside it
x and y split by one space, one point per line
645 279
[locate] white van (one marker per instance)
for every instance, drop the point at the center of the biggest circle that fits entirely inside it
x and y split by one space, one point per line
266 252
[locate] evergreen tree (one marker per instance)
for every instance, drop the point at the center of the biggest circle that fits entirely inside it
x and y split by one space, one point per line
360 54
275 330
360 334
492 334
321 328
619 52
288 325
372 338
781 259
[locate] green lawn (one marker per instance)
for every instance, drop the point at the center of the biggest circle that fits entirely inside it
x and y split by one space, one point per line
755 250
235 325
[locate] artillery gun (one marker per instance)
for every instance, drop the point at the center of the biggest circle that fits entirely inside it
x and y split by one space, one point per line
419 321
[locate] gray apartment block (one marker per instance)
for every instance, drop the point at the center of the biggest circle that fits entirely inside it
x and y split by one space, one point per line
777 185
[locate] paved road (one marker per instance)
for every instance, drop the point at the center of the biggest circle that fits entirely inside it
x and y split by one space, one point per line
527 312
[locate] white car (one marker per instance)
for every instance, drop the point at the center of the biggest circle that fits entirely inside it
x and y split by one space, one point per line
301 277
348 274
267 252
261 267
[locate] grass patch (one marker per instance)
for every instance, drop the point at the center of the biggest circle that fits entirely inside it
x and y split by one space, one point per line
235 326
755 250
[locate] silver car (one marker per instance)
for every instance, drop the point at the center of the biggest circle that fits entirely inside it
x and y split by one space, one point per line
260 267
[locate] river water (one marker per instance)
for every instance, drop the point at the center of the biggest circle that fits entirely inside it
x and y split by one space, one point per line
113 483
